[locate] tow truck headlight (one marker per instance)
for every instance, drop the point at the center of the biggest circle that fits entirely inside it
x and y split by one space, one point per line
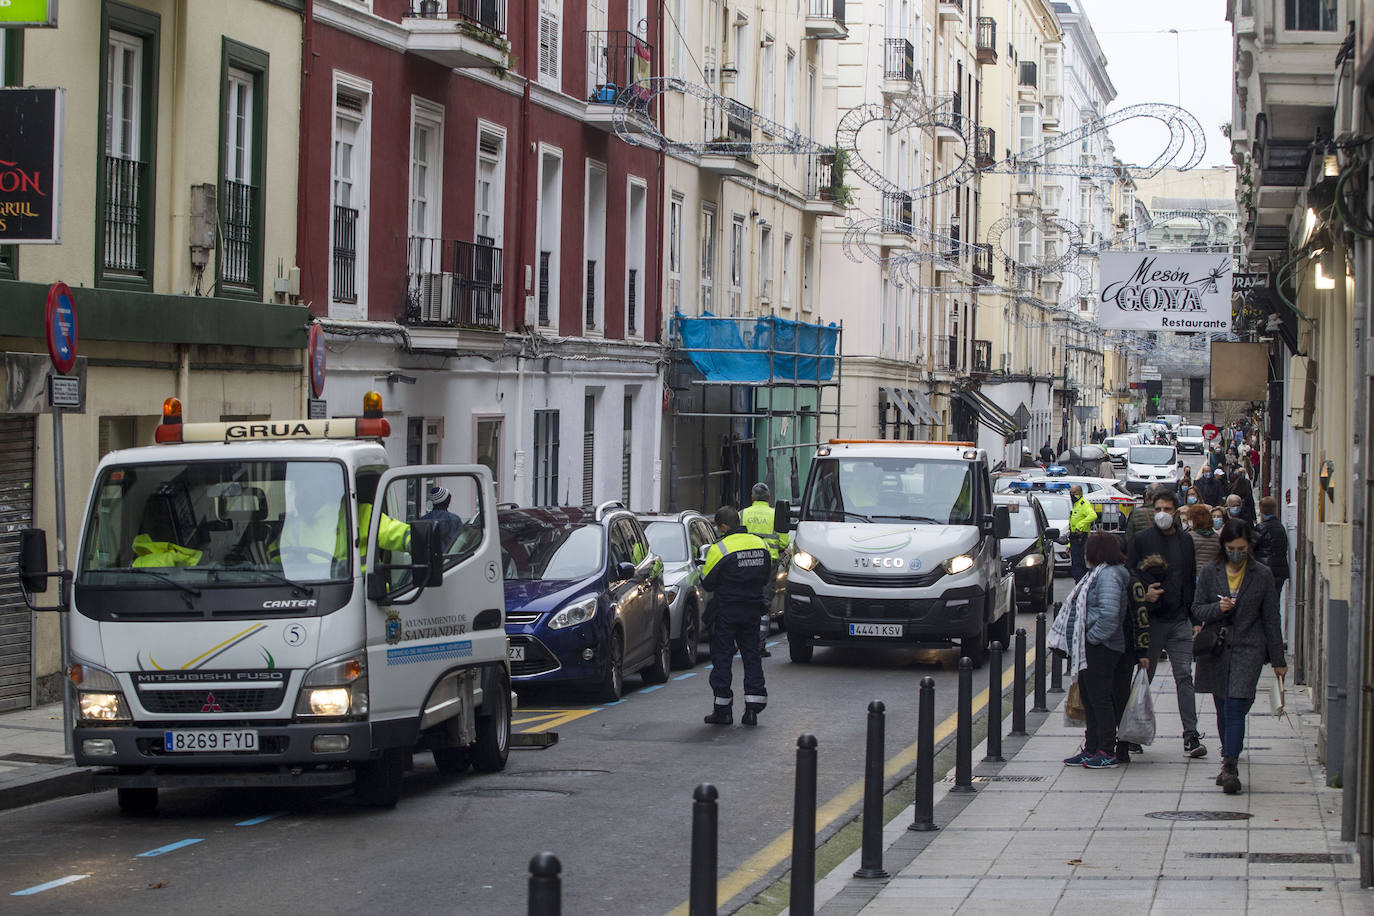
98 694
573 614
961 563
334 688
803 560
1030 560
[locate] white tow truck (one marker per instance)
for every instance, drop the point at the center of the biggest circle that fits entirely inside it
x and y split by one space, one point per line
271 604
897 544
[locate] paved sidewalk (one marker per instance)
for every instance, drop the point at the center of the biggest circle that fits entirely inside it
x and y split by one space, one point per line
1039 837
33 766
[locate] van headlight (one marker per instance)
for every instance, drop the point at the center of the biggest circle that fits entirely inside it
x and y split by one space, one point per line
803 560
99 697
956 565
573 614
335 688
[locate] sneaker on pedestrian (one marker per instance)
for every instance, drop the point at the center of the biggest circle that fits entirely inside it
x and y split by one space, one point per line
1077 759
1102 760
1135 748
1192 747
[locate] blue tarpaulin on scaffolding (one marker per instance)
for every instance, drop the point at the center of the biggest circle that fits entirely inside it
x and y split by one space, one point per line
749 342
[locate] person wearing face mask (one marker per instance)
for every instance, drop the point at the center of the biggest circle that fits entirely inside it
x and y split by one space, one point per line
1206 547
1238 593
1081 519
1271 547
1164 554
1235 507
1211 486
1186 483
1240 486
1142 518
1193 498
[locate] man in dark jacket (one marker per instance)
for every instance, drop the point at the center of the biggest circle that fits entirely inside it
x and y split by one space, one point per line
1240 486
736 570
1163 555
1210 484
1142 517
1272 546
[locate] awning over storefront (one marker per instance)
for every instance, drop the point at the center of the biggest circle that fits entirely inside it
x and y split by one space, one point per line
992 416
913 404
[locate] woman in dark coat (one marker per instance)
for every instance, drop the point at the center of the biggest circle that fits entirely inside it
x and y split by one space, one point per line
1237 592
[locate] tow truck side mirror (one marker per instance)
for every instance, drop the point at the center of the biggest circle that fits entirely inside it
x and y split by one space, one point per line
782 516
33 560
425 554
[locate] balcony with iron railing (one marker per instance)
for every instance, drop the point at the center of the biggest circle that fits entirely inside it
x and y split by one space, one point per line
345 255
982 261
619 65
826 194
951 246
126 242
453 284
987 40
897 214
982 356
900 64
239 248
985 148
825 20
458 34
950 123
730 124
947 351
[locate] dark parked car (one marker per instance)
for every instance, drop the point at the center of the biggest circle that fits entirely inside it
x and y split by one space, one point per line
678 540
585 602
1028 552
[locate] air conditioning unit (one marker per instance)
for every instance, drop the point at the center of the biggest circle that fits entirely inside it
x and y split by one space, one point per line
436 297
1347 115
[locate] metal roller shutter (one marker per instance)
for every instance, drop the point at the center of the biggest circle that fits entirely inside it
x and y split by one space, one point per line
16 513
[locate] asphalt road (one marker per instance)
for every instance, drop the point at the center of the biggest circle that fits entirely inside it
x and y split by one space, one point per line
612 799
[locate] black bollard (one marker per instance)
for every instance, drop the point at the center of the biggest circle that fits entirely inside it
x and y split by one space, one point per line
963 734
1041 663
546 889
1056 671
705 820
1018 686
803 898
994 754
925 759
871 860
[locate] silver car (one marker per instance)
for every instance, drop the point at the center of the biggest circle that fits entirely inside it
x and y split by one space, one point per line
678 540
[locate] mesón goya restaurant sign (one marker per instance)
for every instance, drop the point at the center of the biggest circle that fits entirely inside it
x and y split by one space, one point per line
30 165
1165 291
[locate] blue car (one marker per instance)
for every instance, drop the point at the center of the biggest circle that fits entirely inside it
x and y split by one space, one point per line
585 603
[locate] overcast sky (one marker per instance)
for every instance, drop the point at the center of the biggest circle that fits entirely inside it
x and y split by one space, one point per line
1149 63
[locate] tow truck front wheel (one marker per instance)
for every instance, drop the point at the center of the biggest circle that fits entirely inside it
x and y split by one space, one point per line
492 747
975 647
379 781
800 648
137 802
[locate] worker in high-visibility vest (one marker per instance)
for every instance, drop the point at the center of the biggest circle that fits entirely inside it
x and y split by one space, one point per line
317 525
734 574
758 521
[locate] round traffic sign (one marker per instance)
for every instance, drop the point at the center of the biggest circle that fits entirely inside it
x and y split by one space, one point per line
317 360
1210 431
60 322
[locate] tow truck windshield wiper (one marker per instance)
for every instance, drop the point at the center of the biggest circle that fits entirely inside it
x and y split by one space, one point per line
188 589
306 590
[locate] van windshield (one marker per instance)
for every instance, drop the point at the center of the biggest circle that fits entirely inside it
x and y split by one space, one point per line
890 489
209 523
1152 454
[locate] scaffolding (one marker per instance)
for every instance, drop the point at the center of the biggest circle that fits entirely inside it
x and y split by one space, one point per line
755 390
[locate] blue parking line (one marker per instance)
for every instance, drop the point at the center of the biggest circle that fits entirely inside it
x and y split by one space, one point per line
683 677
616 703
47 886
254 821
651 689
773 643
170 847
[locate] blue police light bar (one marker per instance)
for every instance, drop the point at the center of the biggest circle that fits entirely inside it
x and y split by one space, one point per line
1020 485
1059 485
1056 470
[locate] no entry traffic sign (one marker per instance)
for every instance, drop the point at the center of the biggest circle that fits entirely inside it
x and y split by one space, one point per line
60 322
1210 432
317 360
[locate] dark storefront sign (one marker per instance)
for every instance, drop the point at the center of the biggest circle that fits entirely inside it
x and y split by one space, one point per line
30 165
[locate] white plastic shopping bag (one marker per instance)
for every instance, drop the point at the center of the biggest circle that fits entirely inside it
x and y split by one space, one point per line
1276 696
1138 721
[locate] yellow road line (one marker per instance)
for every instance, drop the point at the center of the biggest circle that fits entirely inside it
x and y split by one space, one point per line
763 861
551 718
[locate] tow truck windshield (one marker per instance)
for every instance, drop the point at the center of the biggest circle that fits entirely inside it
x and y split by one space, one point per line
218 523
920 490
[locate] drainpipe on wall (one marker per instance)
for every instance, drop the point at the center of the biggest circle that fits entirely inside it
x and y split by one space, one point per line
184 373
1358 702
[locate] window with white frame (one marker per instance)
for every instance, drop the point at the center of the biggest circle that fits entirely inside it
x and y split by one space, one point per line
426 162
882 321
126 222
811 101
675 207
766 81
550 41
765 262
242 181
787 272
808 273
550 206
736 265
1309 15
545 477
742 59
636 229
350 168
594 249
707 255
489 207
674 27
789 92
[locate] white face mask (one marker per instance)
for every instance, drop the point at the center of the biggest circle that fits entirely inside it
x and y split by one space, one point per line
1164 520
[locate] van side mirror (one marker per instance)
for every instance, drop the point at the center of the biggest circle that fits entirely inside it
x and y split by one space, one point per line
1052 534
782 516
33 560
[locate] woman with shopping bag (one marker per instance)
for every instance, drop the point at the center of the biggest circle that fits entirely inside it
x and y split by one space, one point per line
1091 630
1239 608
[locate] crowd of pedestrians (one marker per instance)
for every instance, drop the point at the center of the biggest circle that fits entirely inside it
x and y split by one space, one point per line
1199 582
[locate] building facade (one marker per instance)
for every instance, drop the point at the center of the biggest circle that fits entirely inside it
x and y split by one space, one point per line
181 129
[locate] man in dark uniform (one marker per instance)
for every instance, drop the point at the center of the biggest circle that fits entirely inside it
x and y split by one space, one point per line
736 571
